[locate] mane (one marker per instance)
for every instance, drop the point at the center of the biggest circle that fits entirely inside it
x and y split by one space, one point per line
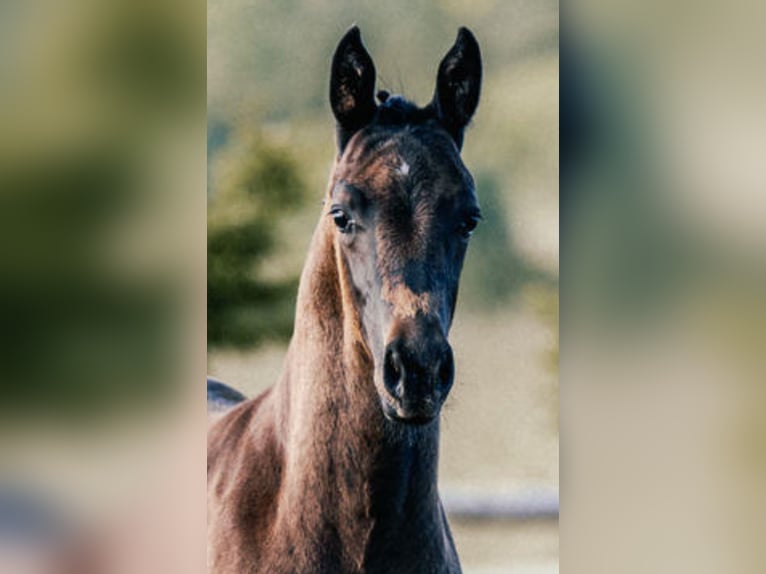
395 110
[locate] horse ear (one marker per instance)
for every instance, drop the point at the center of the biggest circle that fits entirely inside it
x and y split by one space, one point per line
458 84
352 86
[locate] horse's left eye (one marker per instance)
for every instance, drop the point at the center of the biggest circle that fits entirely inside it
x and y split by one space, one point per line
468 225
342 221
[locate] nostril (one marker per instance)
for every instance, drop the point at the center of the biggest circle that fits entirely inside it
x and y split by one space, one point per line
393 373
446 368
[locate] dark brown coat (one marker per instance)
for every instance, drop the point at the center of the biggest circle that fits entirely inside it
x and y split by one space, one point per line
314 476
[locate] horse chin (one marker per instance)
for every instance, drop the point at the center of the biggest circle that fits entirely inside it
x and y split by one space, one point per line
409 416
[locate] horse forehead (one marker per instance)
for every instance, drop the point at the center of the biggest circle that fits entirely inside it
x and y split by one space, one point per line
404 162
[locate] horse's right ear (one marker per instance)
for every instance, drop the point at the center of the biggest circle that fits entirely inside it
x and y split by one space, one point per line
352 86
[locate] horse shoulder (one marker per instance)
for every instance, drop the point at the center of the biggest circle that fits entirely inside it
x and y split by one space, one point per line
244 467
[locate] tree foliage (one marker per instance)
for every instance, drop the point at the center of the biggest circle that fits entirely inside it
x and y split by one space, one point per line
252 189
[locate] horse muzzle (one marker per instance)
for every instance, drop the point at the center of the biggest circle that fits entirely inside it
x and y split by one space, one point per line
418 372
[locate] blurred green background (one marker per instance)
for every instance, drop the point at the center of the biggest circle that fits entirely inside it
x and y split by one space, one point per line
102 285
101 108
270 151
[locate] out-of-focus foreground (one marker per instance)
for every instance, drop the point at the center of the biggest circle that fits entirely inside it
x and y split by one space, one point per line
663 282
271 145
102 178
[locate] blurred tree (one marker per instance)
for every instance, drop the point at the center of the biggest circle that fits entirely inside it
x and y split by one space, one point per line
253 186
97 103
496 271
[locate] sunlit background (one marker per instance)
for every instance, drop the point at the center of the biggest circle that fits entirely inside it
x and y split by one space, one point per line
270 151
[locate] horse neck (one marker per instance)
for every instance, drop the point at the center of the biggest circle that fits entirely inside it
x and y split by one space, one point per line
340 450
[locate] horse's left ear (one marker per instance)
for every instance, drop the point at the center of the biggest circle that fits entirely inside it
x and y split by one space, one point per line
458 84
352 86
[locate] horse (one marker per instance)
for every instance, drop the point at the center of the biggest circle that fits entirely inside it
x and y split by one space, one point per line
334 468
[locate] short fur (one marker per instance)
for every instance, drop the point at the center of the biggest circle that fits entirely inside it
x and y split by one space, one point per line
320 473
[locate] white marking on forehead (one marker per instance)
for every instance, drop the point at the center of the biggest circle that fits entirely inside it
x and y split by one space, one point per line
404 168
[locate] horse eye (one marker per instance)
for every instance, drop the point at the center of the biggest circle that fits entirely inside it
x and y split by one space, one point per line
342 220
467 227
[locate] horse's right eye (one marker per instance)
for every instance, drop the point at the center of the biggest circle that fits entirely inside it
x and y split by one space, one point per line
342 221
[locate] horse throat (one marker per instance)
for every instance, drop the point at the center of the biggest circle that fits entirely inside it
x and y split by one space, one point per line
355 479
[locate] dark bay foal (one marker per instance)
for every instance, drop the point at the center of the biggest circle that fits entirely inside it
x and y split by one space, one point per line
334 469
